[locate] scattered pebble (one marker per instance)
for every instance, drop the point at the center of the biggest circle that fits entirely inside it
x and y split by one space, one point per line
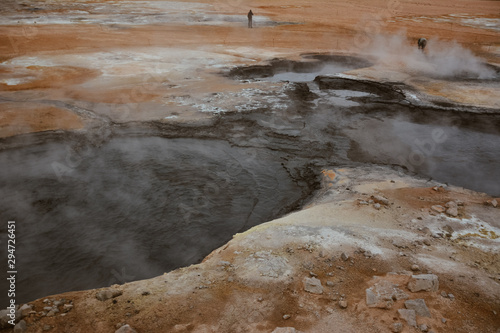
343 304
287 316
397 327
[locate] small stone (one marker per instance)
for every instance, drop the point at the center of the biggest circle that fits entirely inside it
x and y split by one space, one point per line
108 293
51 313
492 202
444 294
380 200
25 309
20 327
419 306
409 316
46 300
313 285
125 329
285 330
329 283
438 209
399 243
47 327
397 327
427 242
377 206
453 211
313 274
451 204
424 328
451 296
67 307
344 256
415 268
443 320
423 282
287 316
343 304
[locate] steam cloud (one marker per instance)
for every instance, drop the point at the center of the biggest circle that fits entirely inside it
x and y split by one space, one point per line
441 59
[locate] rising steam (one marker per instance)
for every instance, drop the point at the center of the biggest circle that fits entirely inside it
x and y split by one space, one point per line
441 59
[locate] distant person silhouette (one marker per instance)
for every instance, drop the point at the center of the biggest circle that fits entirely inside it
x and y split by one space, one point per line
250 23
422 42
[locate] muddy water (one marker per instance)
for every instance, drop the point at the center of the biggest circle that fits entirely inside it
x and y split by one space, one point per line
134 204
133 208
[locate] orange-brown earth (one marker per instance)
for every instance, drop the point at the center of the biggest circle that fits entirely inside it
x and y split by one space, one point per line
318 26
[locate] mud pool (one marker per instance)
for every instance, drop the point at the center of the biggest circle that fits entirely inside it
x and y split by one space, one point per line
153 196
144 205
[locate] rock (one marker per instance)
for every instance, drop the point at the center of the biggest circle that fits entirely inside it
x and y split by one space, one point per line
25 310
329 283
424 328
4 319
399 243
419 306
51 313
382 295
451 296
313 285
492 202
409 316
397 327
285 330
67 307
343 304
438 209
415 268
444 294
443 320
380 200
453 211
448 229
20 327
451 204
423 282
125 329
427 242
344 256
287 316
377 206
47 327
108 293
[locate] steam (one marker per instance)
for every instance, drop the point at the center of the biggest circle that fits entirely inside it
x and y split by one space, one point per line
441 59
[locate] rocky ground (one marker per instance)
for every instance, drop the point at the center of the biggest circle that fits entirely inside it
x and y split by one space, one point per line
376 249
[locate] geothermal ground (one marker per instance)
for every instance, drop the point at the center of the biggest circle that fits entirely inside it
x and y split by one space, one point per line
170 170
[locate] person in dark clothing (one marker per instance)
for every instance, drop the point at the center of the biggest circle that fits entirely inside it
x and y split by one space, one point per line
422 42
250 23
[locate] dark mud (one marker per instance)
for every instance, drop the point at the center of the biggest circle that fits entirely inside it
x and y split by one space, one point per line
312 64
129 201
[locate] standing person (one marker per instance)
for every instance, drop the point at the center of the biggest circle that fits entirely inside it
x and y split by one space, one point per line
250 23
422 42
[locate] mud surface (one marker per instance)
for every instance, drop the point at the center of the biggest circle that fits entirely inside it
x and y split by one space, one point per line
155 196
